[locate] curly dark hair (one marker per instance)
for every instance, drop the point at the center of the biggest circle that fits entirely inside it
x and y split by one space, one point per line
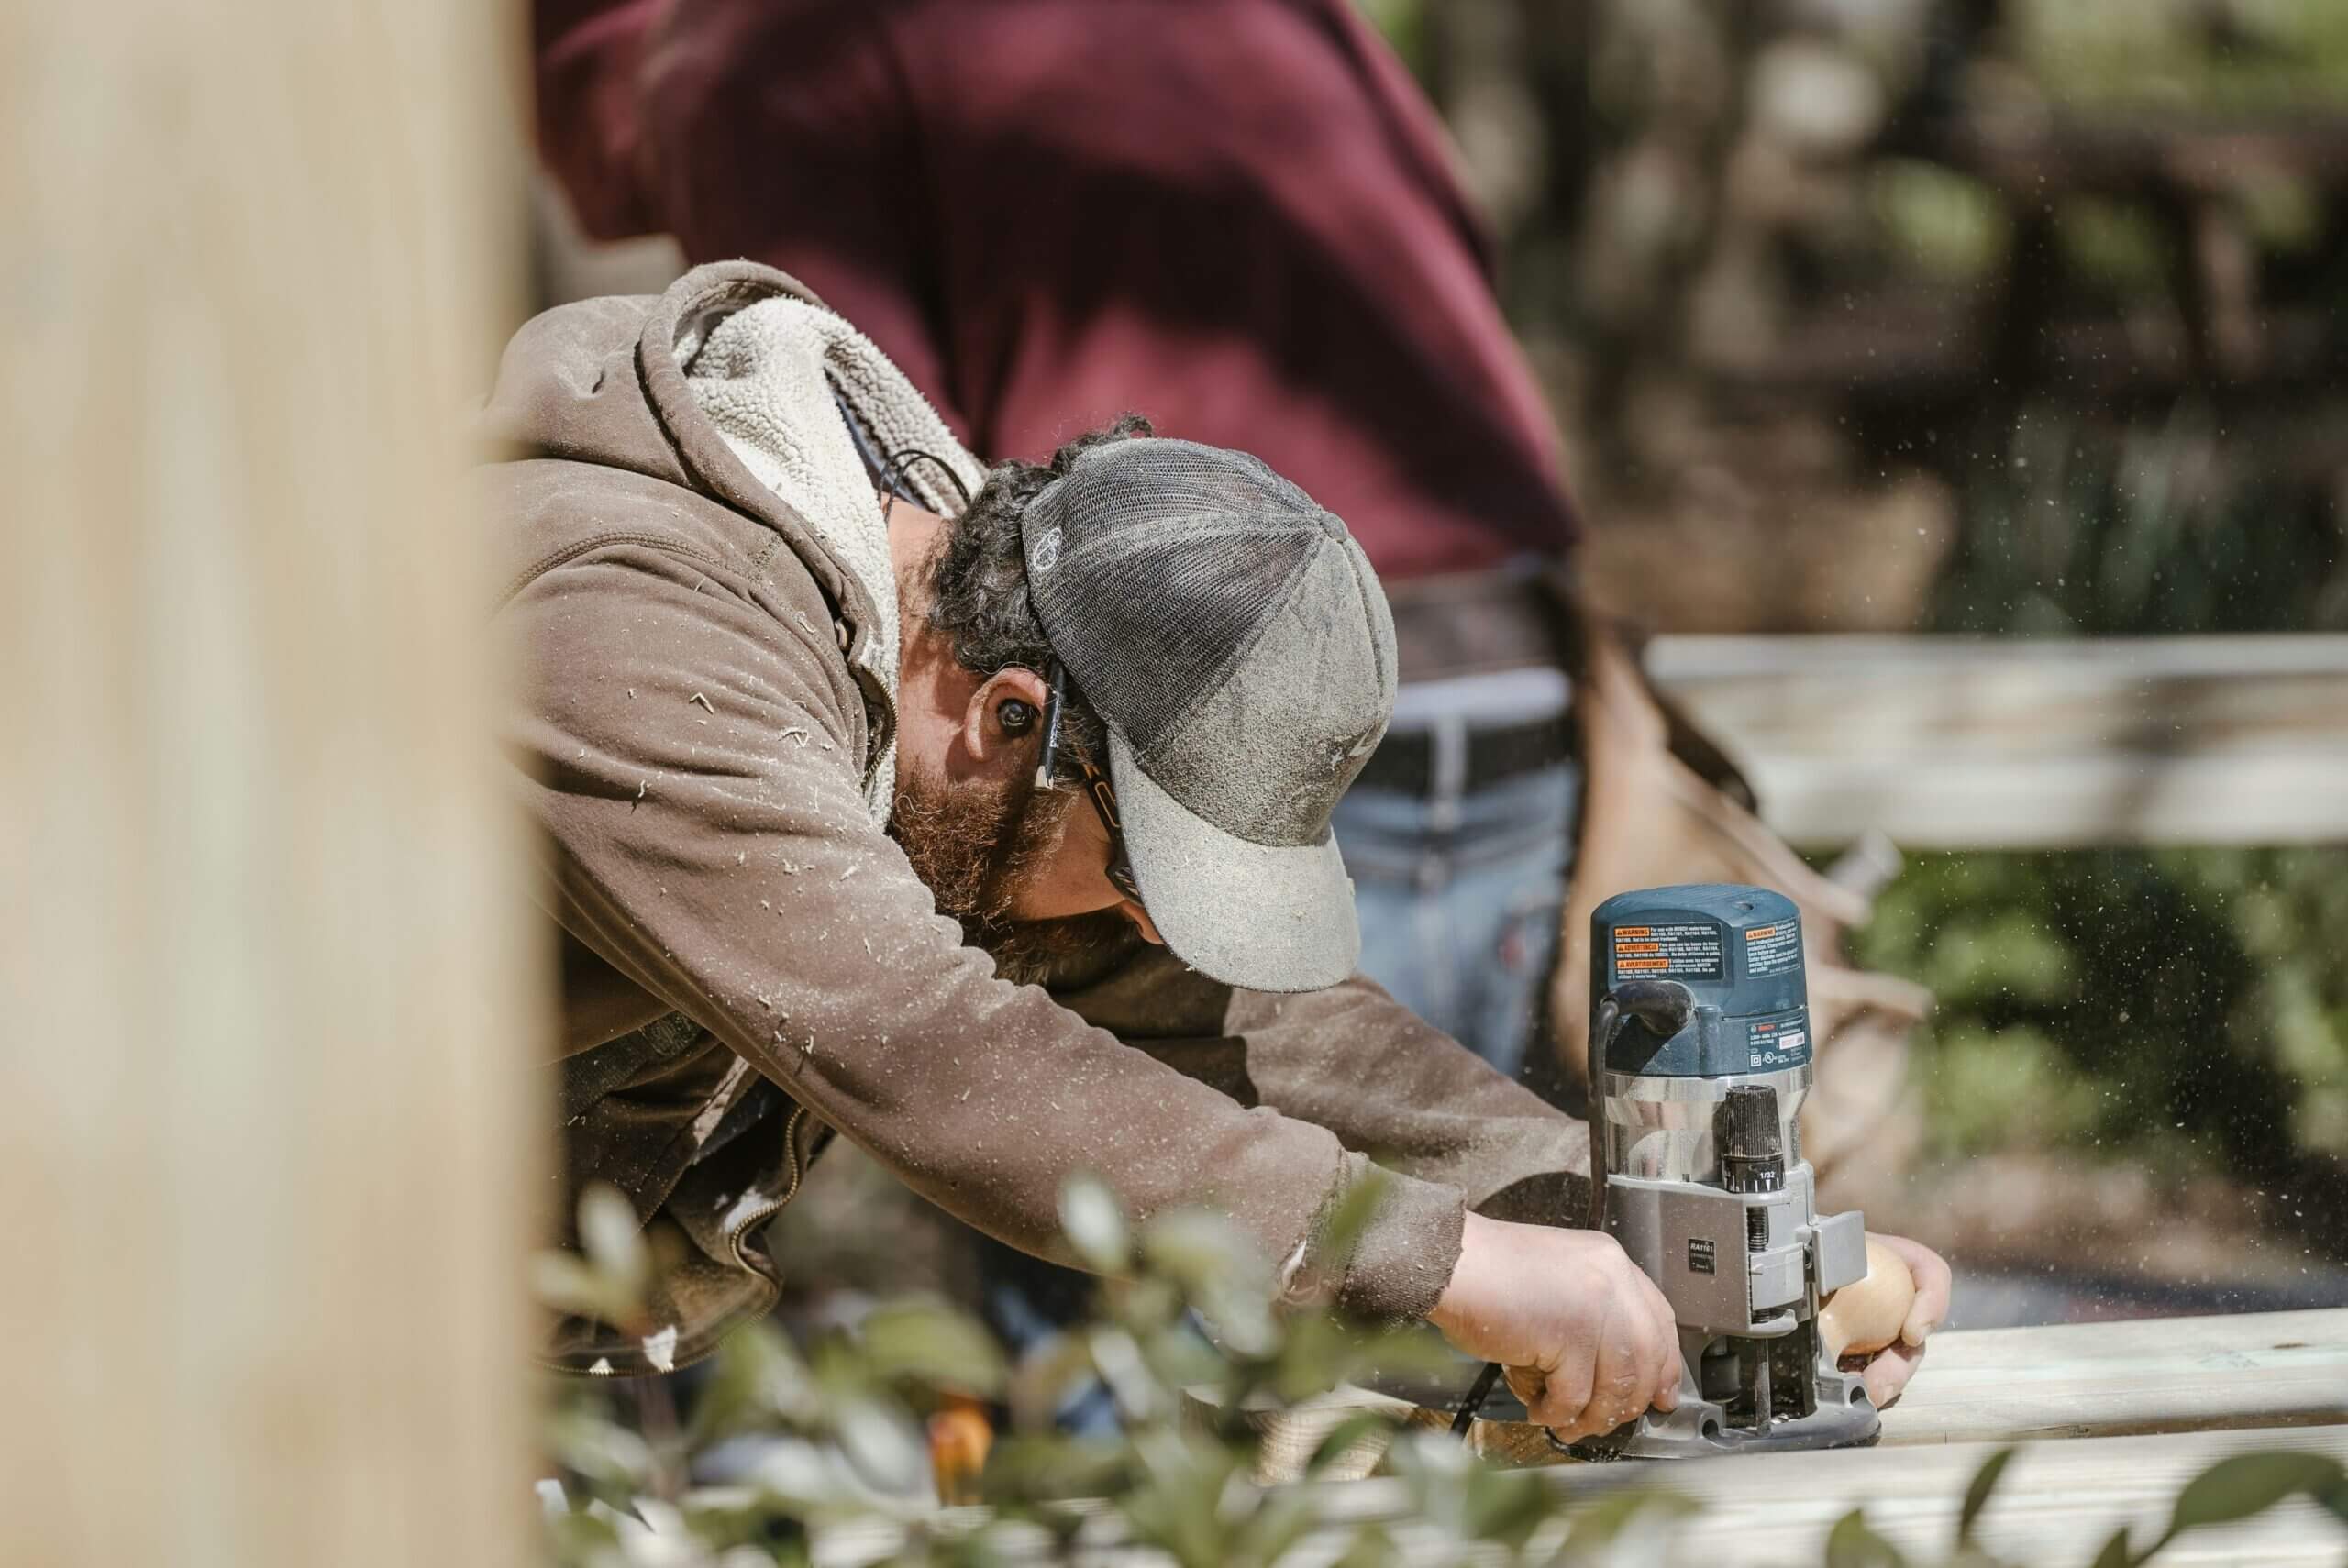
979 588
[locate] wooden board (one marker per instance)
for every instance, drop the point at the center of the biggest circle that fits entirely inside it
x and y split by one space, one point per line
2058 1504
1962 743
2162 1375
267 1132
2257 1369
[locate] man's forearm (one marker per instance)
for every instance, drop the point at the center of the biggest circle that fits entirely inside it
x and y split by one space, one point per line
1356 1062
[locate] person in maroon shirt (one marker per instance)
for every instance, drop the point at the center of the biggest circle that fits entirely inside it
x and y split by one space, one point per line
1236 216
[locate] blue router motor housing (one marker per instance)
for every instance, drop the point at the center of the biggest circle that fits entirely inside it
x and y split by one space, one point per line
1737 950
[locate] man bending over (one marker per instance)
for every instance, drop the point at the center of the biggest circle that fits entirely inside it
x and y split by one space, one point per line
836 737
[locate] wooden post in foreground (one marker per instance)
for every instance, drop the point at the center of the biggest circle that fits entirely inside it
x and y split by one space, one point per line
265 1008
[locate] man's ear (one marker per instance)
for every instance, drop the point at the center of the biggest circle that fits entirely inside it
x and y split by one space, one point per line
1006 715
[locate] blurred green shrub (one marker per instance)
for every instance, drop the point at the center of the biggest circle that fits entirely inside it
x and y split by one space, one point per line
2189 1004
2163 527
2228 55
1949 226
783 1445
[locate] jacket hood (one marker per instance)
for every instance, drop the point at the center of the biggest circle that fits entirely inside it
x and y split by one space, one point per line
605 382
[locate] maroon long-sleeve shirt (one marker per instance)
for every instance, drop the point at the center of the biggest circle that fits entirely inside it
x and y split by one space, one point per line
1235 216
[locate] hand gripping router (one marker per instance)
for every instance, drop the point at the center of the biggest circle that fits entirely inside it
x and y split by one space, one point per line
1700 1059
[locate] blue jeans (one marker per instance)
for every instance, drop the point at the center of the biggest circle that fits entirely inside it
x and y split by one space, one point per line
1461 901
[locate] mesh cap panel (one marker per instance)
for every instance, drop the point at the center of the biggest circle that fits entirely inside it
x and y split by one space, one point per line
1234 639
1156 565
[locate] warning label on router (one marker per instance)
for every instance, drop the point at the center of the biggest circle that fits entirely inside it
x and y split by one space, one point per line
1694 951
1772 949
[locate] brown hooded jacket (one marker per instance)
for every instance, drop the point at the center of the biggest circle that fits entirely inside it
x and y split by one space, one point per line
749 964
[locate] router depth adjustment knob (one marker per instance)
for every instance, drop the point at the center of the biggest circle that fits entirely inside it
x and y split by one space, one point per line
1751 1143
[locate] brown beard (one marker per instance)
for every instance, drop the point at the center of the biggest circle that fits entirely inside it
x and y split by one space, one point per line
1058 953
976 846
962 839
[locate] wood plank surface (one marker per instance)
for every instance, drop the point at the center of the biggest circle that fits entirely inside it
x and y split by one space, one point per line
2256 1369
2058 1503
1963 743
268 1136
2160 1375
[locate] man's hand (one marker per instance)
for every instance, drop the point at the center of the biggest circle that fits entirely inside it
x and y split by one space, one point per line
1587 1340
1893 1365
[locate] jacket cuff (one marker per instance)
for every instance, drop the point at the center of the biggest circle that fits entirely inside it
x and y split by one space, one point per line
1405 1257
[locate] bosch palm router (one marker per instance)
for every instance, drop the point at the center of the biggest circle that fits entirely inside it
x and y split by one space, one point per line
1700 1059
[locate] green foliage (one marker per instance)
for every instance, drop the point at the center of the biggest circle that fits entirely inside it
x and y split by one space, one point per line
1976 1493
2250 1484
1404 24
2159 528
1851 1544
2235 1489
2231 1490
832 1439
2118 246
1952 227
608 1282
2233 55
2171 1002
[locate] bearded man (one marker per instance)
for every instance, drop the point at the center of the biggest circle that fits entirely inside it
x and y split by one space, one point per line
834 736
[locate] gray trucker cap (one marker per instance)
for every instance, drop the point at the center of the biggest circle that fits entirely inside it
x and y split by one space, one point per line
1234 641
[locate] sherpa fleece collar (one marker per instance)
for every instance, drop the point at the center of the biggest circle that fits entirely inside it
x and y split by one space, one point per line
742 365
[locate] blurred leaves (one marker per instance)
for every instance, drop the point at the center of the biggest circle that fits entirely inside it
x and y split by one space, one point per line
785 1442
2223 55
606 1279
2073 263
2230 1491
2125 998
2167 524
1094 1225
1950 224
930 1344
1977 1494
2251 1484
1852 1544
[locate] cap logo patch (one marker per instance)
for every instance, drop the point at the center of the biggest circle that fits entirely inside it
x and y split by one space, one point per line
1046 553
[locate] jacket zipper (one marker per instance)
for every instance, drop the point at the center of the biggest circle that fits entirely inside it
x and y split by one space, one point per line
734 1235
760 1216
